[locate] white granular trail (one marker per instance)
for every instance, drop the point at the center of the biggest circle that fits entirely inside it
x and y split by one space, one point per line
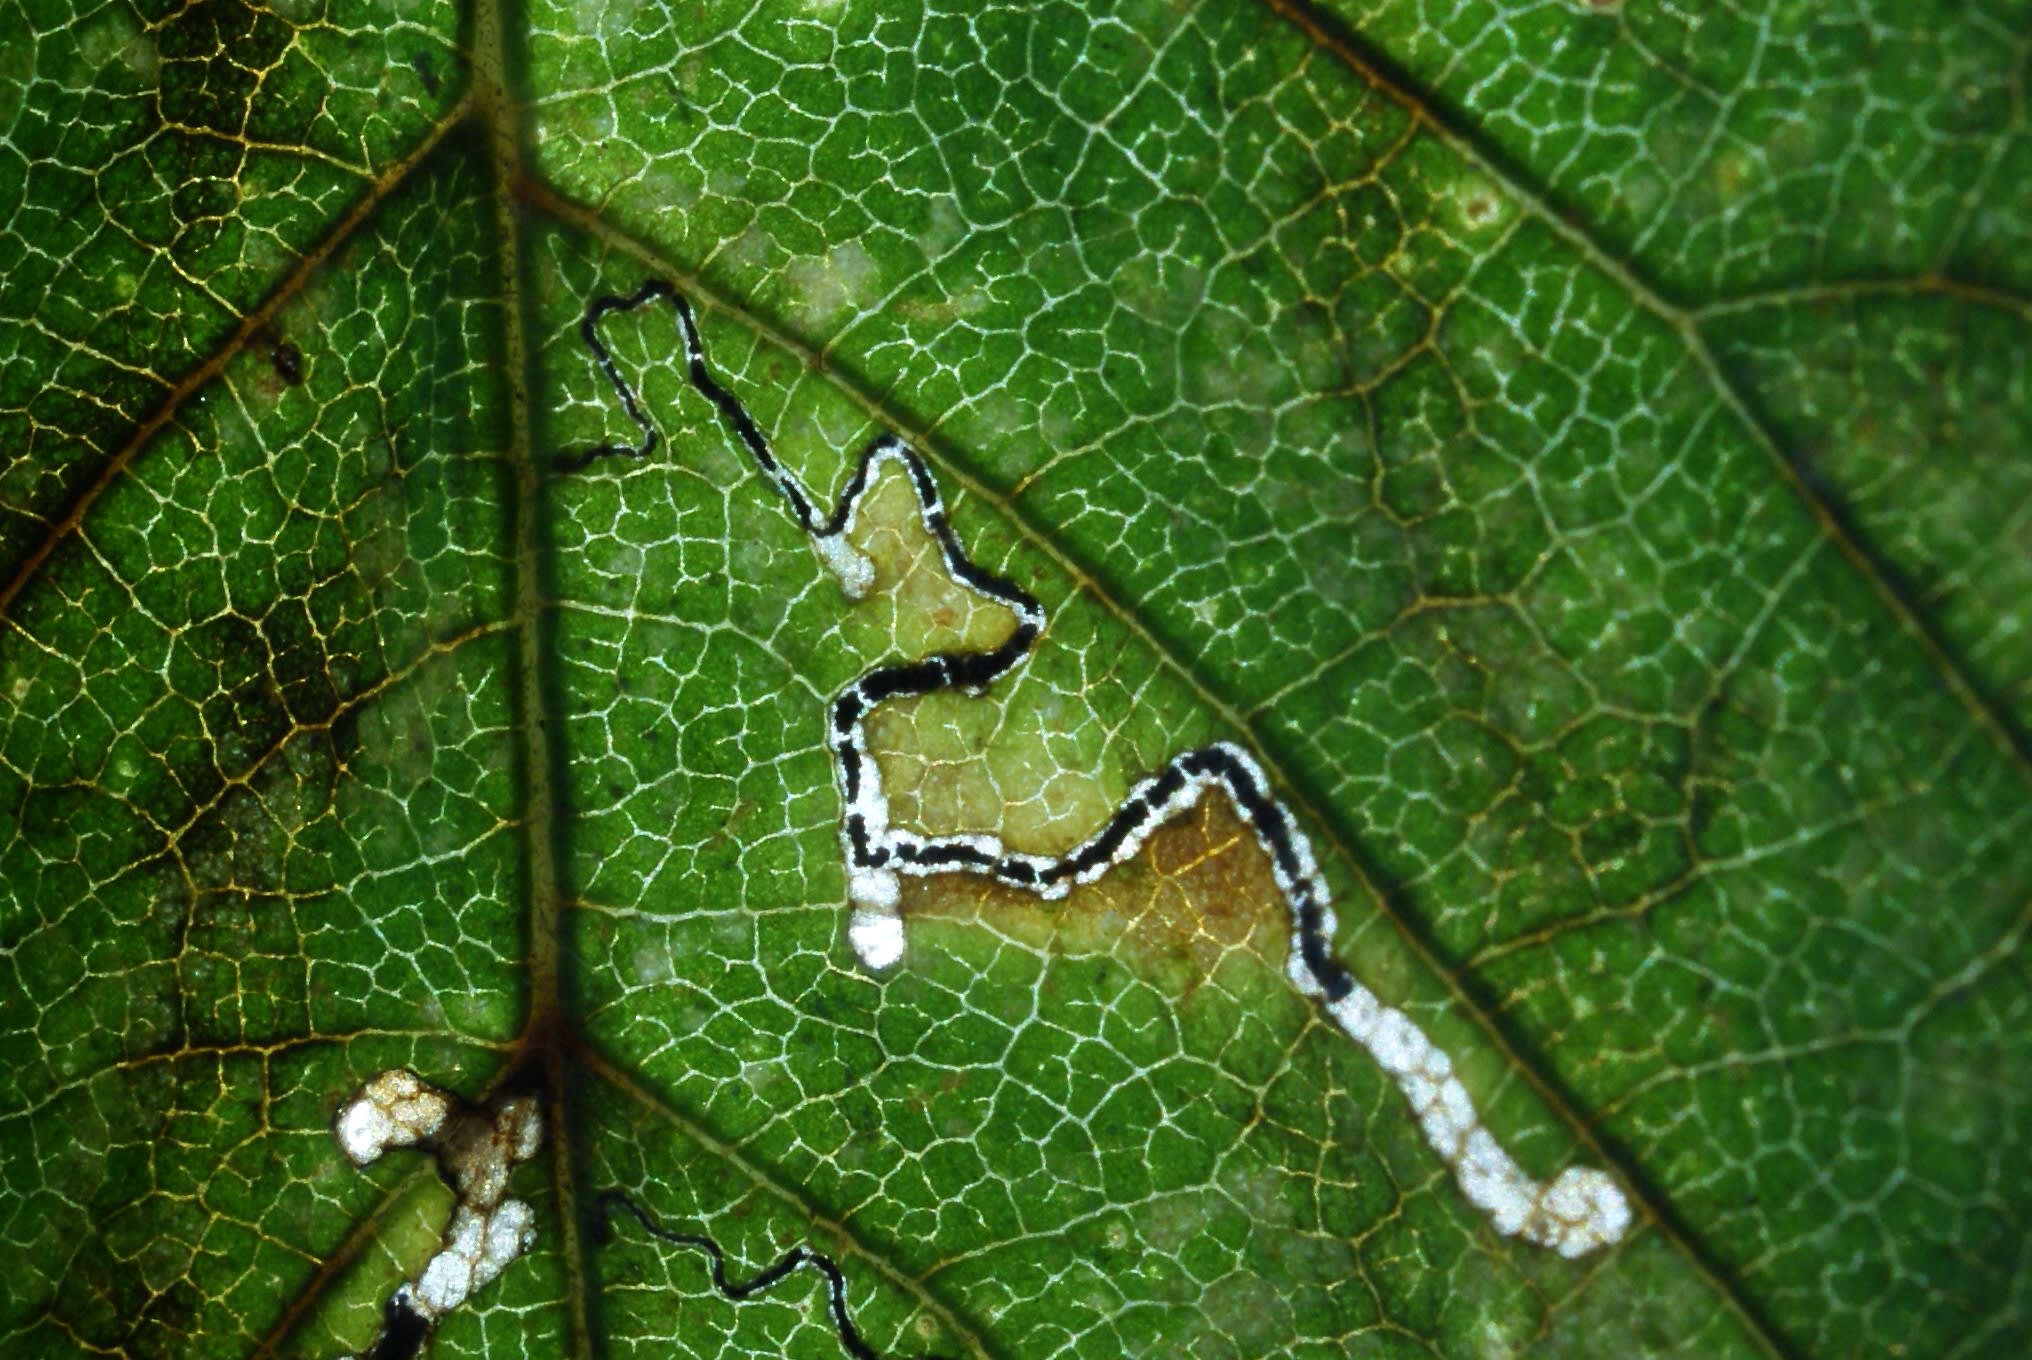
1575 1213
476 1149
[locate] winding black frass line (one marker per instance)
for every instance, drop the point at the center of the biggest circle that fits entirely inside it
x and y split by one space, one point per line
1576 1212
613 1202
877 847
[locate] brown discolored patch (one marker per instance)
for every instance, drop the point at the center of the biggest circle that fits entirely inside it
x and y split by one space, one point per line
1200 891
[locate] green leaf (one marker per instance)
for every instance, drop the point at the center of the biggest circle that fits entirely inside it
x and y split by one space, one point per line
1576 450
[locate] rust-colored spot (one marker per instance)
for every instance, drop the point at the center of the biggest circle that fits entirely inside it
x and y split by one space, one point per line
1200 890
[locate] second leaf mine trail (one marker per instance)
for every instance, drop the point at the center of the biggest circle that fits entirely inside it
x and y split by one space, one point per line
1574 1213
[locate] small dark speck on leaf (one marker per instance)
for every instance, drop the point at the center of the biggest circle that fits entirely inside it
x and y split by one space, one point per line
284 356
424 72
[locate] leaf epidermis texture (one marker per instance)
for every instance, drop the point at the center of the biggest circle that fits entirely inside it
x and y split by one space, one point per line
1575 457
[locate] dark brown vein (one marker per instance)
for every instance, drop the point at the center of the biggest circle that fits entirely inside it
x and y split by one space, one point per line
341 1259
334 1266
538 726
250 326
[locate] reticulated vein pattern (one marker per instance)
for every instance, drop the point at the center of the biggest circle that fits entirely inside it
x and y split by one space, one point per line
1576 1212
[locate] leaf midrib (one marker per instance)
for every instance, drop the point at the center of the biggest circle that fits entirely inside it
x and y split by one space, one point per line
536 714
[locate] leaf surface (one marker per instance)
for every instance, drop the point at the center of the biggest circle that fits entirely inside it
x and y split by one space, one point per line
1574 449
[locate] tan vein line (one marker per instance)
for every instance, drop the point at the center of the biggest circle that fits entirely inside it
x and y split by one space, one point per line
546 200
195 380
244 144
608 1071
249 1049
1863 290
294 1043
1833 525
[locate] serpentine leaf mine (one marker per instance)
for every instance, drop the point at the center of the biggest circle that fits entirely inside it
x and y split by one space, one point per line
1576 1212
